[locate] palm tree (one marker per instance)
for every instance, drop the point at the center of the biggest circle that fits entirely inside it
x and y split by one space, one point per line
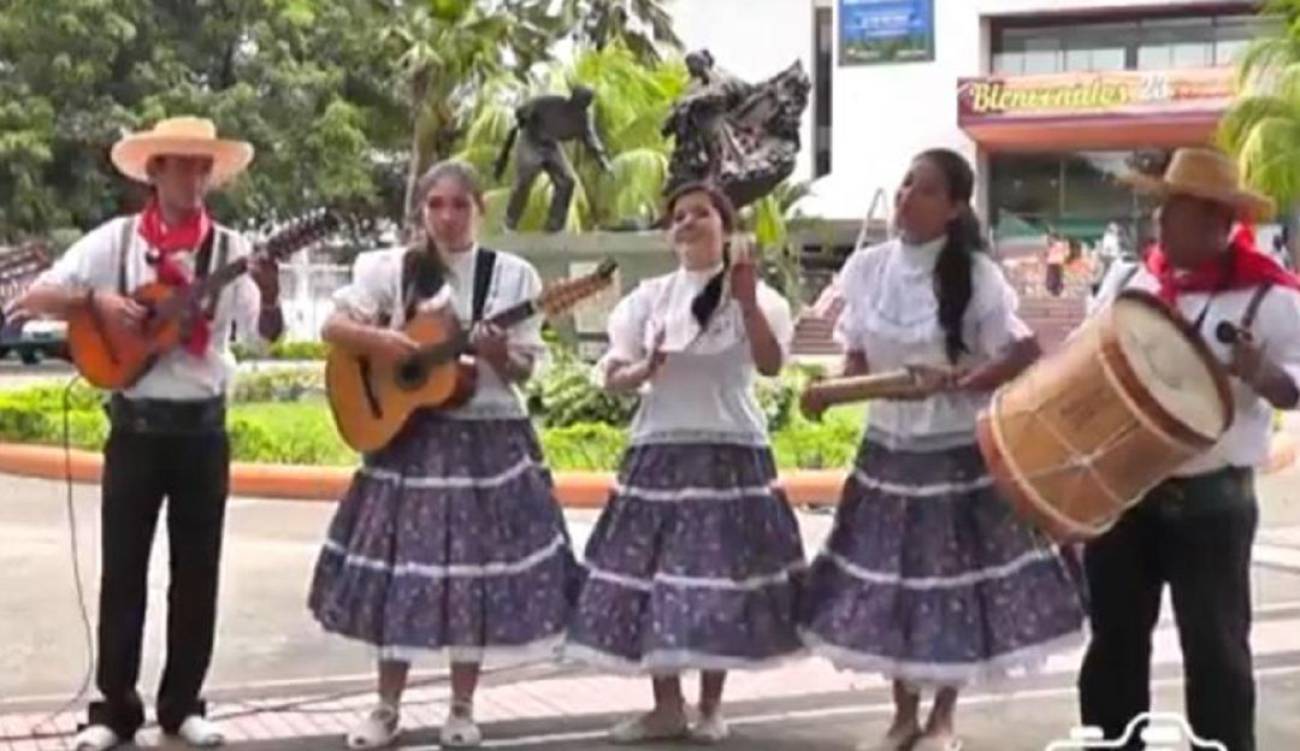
1262 128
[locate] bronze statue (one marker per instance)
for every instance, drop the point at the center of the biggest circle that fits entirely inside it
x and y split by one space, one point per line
546 122
742 137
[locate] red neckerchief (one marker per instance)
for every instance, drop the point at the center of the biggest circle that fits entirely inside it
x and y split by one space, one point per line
1245 268
170 241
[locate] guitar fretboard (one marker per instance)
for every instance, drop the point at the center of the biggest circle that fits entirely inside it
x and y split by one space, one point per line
514 314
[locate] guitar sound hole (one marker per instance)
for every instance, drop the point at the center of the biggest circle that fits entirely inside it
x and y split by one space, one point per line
410 374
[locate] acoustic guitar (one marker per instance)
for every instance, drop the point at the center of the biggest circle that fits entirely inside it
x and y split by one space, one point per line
371 399
113 356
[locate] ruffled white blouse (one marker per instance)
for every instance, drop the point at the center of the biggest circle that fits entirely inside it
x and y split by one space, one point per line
704 392
891 314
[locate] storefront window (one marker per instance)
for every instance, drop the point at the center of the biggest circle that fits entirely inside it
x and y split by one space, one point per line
1232 35
1148 44
1176 43
1075 195
1099 47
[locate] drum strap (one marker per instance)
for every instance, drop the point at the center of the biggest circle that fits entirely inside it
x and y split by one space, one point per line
1252 309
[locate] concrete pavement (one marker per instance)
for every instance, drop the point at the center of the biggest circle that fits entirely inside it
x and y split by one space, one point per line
279 683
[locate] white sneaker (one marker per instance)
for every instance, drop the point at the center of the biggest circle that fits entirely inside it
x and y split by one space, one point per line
649 727
380 728
459 731
96 738
710 729
199 732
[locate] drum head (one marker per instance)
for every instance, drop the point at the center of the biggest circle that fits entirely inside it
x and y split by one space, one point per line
1174 367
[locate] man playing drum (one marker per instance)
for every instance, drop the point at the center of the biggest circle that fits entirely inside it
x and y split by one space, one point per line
1194 530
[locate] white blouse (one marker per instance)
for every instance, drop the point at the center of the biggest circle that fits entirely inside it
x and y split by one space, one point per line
375 293
93 263
891 314
704 392
1276 327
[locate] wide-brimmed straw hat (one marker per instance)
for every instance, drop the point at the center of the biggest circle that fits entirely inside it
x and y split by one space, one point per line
181 136
1208 174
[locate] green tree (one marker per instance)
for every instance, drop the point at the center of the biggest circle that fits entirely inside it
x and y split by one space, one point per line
1262 127
293 77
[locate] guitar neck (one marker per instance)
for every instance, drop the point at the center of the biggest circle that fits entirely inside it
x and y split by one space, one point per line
514 314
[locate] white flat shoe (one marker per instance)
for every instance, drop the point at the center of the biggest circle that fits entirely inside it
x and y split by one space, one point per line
199 732
96 738
891 742
710 729
380 728
648 727
460 731
937 743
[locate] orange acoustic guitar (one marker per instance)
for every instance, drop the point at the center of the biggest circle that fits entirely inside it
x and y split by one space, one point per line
371 398
113 356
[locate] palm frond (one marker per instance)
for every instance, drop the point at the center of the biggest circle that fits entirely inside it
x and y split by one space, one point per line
635 180
1245 113
1269 156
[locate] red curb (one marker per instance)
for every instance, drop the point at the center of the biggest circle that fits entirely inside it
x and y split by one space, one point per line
575 490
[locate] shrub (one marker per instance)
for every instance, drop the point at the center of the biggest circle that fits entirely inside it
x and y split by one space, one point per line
279 385
565 393
282 350
589 446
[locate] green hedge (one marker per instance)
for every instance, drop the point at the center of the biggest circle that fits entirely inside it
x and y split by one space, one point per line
282 350
297 428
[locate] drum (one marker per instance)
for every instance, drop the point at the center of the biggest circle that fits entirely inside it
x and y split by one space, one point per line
1084 433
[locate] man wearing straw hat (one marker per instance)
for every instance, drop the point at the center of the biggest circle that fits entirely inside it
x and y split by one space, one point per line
168 435
1195 530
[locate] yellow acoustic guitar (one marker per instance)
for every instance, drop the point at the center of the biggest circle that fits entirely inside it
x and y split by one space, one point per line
371 399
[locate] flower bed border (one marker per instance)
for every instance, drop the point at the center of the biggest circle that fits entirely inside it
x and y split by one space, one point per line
576 490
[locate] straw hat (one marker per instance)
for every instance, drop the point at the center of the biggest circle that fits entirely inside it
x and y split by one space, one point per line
181 136
1209 174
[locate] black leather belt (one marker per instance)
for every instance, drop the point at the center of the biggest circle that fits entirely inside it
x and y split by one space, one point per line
167 416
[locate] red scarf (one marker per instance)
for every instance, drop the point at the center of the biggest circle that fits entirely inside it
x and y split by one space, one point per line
1247 267
168 242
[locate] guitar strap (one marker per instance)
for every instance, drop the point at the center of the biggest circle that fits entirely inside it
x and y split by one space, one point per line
124 245
483 268
412 292
203 264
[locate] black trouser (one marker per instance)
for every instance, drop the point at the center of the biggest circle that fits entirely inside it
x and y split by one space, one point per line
1194 534
188 462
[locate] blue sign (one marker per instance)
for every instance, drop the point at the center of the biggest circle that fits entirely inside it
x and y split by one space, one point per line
886 31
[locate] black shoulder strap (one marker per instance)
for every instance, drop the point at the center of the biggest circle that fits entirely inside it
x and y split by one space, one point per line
1128 276
123 247
204 264
203 259
1252 308
484 265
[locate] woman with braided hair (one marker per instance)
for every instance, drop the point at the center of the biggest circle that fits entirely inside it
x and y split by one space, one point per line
927 576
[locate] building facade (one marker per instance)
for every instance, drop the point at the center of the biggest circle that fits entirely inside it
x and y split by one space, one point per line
1052 100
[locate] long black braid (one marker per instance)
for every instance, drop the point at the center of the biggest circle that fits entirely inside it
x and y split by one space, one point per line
952 271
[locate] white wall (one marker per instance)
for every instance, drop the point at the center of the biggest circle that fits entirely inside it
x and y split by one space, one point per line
754 39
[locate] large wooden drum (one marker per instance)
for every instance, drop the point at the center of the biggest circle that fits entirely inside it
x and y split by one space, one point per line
1083 434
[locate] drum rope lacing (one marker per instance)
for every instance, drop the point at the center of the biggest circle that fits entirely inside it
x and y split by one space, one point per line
1079 459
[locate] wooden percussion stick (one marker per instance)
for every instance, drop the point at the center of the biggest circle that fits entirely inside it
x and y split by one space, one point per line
821 395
